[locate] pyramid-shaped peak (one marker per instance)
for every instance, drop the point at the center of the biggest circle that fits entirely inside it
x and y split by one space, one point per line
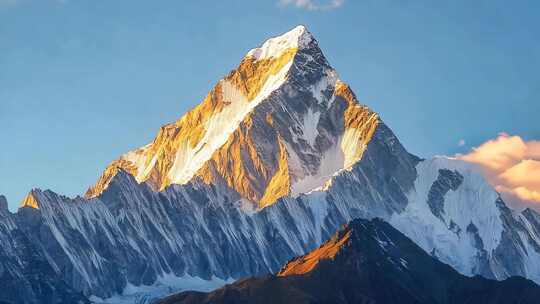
30 201
267 130
372 238
297 38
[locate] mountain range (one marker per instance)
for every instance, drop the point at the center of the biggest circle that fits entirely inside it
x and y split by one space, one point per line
368 261
266 168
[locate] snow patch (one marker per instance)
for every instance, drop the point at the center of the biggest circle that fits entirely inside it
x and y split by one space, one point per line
164 286
352 147
342 156
532 263
139 159
331 164
404 263
246 206
311 121
329 81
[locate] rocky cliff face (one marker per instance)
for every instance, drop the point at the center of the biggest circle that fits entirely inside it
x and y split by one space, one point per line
26 272
267 167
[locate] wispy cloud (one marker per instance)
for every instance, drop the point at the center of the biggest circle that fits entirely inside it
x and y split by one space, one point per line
313 5
512 166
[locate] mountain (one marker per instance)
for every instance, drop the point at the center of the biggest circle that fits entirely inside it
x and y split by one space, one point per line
273 161
367 262
280 124
26 274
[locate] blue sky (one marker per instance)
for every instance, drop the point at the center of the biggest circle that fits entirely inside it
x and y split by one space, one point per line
83 81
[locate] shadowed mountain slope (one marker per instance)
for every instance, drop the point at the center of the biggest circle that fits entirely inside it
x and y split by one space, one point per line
367 262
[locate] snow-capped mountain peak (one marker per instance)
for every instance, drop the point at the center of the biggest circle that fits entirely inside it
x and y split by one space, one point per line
280 124
297 38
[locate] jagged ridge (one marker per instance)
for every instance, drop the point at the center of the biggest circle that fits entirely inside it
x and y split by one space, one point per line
367 262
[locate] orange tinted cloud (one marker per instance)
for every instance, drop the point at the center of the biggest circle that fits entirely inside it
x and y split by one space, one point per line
512 166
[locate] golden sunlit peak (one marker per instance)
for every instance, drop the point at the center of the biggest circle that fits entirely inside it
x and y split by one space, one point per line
30 201
308 262
219 139
295 39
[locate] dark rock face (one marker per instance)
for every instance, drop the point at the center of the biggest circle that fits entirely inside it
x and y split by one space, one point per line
509 252
385 166
446 181
375 263
26 273
3 206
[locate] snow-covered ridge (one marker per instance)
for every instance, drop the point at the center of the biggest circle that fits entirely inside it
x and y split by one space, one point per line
297 38
470 208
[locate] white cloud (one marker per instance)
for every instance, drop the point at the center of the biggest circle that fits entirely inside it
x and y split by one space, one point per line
512 166
313 5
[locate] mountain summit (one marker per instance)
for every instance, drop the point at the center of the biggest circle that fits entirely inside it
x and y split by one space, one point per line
280 124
